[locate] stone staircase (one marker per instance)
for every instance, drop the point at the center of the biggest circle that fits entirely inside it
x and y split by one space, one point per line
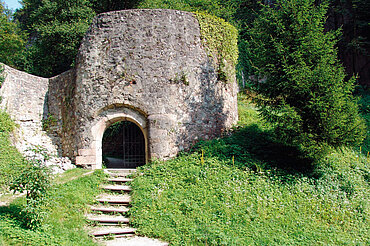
108 217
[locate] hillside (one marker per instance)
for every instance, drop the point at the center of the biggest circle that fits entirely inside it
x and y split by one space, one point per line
247 189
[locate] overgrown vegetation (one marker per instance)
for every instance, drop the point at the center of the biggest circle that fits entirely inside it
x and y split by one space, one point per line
34 179
63 210
49 123
2 77
221 39
11 161
51 213
249 190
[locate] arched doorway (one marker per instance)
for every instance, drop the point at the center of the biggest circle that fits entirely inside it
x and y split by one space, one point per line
123 145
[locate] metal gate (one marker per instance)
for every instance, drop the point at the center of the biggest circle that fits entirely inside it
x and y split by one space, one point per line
123 146
133 145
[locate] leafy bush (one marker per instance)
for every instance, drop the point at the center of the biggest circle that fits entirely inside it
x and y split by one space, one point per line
34 179
302 86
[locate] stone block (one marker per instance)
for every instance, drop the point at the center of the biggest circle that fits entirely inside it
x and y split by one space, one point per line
85 160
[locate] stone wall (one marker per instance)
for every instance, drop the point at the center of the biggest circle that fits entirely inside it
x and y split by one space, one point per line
24 97
61 109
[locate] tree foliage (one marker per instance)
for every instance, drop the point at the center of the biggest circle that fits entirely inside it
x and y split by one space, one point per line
56 29
302 84
12 39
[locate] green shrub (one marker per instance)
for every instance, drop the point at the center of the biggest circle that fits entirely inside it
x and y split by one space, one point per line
34 179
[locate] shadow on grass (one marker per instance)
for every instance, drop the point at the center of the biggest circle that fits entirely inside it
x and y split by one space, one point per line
12 211
255 148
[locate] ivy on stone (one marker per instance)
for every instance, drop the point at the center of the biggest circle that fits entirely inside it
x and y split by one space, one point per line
2 77
221 41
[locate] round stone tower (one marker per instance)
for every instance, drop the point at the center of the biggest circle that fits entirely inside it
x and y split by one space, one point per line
147 67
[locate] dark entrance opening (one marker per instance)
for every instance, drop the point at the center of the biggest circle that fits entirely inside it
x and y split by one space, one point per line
123 145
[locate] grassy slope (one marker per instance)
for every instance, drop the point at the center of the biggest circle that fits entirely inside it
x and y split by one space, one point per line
64 209
10 159
266 196
64 206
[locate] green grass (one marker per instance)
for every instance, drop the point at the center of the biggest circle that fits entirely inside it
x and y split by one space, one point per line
248 189
64 208
70 175
11 162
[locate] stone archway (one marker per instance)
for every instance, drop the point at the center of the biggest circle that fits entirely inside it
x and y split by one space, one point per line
123 145
92 157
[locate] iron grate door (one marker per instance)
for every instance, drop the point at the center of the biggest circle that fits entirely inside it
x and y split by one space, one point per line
133 145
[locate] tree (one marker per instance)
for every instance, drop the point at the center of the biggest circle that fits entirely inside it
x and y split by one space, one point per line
302 86
56 29
12 39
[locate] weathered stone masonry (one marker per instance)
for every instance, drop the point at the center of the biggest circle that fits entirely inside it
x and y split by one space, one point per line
145 66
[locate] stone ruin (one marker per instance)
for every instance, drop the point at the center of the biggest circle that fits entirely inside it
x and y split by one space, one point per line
148 67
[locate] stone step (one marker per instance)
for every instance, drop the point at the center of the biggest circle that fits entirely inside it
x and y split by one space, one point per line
114 199
120 180
110 219
111 201
119 172
110 209
125 188
115 231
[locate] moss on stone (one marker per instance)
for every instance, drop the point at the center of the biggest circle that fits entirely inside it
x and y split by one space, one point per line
2 75
221 41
